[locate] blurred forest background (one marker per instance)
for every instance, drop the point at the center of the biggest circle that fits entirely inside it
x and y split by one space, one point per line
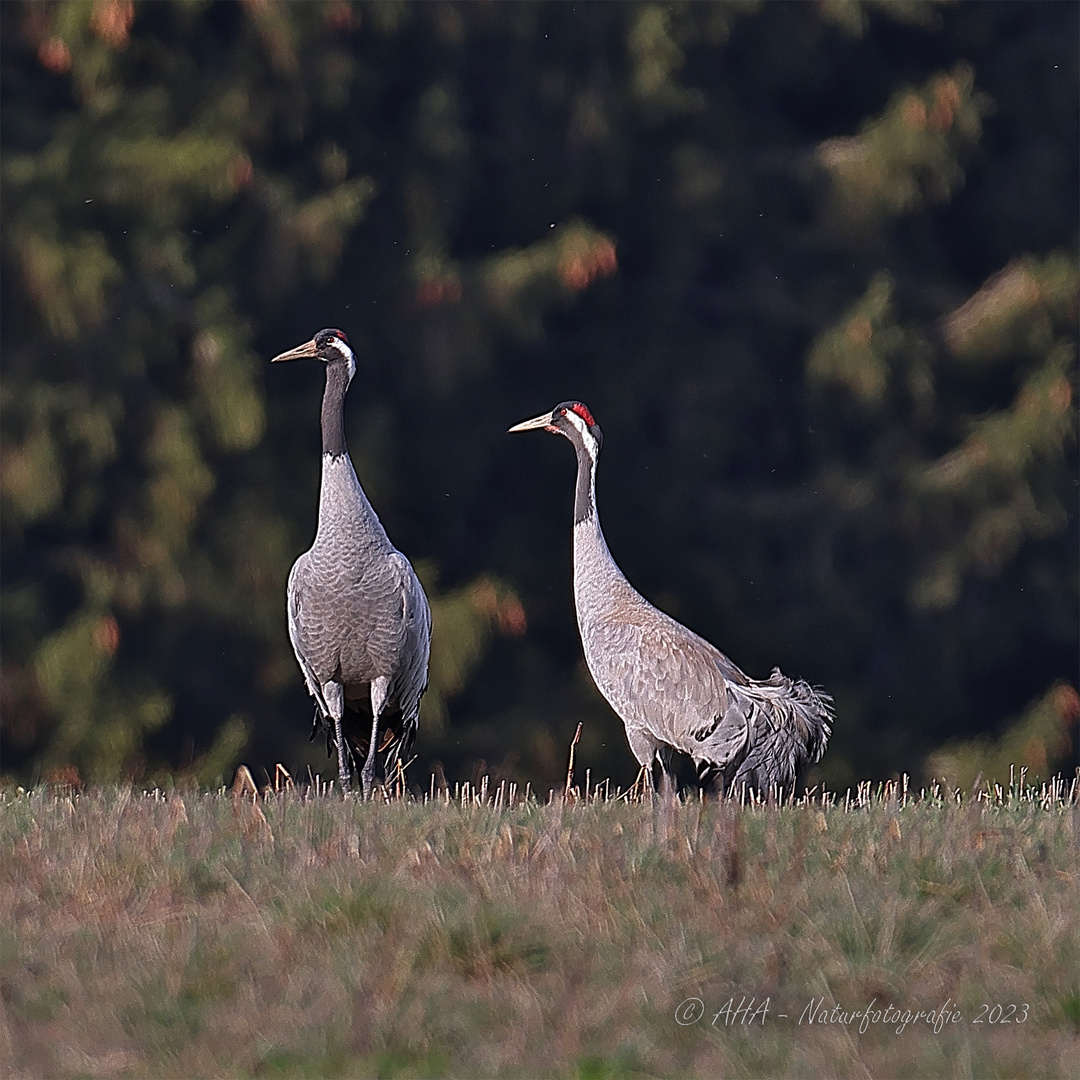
813 266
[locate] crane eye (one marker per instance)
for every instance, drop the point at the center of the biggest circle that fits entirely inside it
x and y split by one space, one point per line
562 411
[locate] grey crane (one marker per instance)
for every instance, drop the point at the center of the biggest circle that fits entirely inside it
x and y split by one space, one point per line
672 689
359 621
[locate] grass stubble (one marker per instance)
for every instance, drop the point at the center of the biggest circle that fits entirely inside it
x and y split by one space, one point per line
189 934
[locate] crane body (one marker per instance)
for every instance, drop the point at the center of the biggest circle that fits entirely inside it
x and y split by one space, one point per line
358 618
673 690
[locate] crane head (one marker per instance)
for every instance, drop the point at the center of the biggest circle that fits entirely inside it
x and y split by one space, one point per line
331 346
572 420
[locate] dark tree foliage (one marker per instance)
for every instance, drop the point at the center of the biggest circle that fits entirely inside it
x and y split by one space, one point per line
813 266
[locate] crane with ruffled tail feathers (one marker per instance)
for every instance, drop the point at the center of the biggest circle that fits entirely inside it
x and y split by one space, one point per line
673 690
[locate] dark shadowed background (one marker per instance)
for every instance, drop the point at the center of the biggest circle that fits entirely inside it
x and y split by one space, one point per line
812 265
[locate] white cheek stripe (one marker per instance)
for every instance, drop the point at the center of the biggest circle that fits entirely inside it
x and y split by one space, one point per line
347 355
586 435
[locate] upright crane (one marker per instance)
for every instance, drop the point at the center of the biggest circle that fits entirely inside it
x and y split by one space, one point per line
359 621
673 690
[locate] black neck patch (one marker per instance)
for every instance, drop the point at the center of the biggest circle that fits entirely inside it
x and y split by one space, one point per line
583 493
333 410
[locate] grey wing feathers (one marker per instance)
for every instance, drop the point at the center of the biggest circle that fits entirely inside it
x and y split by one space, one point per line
415 637
298 586
413 623
662 679
673 688
380 625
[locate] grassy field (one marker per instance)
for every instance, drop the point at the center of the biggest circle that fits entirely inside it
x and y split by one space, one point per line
193 934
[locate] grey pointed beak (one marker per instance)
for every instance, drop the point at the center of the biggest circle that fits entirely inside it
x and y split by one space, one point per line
543 421
307 351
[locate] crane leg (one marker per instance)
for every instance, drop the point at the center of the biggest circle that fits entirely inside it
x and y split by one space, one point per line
710 778
667 789
654 756
379 689
334 696
644 747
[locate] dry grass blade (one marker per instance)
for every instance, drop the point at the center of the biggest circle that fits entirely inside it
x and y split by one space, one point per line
244 784
282 778
569 792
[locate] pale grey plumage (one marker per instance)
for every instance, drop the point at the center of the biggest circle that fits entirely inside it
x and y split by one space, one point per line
358 618
672 689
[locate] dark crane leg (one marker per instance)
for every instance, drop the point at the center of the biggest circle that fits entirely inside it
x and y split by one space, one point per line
379 689
334 694
667 789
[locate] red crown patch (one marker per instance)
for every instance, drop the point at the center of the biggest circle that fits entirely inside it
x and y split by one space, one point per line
584 413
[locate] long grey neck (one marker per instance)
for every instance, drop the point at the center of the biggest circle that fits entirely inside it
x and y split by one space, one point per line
598 581
345 515
333 410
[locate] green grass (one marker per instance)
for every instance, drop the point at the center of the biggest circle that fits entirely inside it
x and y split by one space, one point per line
189 935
